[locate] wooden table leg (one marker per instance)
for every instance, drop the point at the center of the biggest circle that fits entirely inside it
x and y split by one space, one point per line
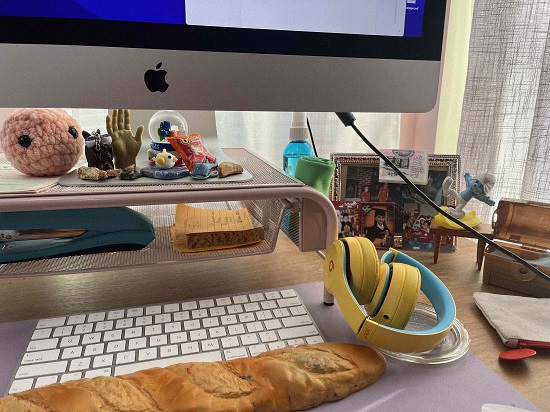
480 253
437 245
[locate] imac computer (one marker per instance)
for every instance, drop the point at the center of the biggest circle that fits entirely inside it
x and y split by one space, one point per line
269 55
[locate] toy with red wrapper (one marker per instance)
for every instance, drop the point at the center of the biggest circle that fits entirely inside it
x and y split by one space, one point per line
191 149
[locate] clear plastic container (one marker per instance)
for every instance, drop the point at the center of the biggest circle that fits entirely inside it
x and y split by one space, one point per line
294 151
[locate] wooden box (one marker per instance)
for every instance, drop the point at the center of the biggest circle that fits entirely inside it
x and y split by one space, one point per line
525 228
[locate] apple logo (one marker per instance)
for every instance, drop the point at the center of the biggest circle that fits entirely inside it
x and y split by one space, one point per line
155 79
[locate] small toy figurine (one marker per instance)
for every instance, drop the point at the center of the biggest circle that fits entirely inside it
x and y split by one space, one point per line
164 130
476 188
165 160
98 150
42 142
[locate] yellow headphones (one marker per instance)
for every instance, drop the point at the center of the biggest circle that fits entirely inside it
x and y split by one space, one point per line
378 298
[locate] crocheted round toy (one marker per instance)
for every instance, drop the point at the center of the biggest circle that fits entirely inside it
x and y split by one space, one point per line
42 142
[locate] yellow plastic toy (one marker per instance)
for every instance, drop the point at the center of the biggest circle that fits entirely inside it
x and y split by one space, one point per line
471 219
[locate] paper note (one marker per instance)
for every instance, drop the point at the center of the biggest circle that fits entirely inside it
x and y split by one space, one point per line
412 163
197 229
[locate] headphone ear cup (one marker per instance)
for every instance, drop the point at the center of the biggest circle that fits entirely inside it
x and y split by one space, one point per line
396 295
364 266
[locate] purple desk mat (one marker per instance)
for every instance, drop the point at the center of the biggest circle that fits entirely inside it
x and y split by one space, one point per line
463 385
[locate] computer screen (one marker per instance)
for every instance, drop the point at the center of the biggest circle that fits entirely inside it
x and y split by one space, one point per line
273 55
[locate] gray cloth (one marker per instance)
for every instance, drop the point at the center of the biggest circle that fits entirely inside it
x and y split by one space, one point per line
516 317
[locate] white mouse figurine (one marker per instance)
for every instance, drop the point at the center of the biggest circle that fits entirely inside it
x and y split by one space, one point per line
165 160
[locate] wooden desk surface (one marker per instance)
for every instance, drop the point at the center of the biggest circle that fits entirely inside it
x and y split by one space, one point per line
36 297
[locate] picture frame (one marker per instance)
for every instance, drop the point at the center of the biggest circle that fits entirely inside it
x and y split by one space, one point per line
356 171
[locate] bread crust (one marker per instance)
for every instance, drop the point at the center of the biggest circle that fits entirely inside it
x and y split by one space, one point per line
287 379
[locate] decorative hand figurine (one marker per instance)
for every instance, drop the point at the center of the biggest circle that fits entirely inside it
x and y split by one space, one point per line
125 145
476 188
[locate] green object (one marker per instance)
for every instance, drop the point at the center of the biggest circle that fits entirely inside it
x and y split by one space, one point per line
315 172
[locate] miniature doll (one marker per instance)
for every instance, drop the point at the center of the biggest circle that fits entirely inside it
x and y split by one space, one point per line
476 188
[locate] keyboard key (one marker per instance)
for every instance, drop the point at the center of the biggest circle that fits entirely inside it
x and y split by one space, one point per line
132 333
287 302
269 336
96 349
94 373
42 333
268 304
116 346
230 342
249 339
137 343
254 327
72 353
91 338
171 307
295 342
297 332
251 307
233 309
298 310
69 341
272 295
276 345
112 335
256 297
153 330
297 321
83 328
45 381
189 305
190 347
42 344
273 324
76 319
228 320
206 303
62 331
144 320
288 293
218 332
257 349
124 323
158 340
41 369
314 339
125 357
134 312
240 299
115 314
73 376
198 334
236 329
235 353
147 354
103 326
164 362
178 337
103 361
163 318
223 301
50 323
21 385
40 356
169 350
80 364
153 310
210 344
96 317
281 313
181 316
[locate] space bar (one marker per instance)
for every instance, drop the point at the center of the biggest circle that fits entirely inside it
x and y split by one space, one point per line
162 363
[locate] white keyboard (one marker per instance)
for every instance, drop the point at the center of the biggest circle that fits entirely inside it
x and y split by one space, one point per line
118 342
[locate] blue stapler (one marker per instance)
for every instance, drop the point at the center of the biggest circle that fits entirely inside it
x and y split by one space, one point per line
45 234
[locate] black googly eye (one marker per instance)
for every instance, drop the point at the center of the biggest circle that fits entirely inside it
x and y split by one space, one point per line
24 140
73 132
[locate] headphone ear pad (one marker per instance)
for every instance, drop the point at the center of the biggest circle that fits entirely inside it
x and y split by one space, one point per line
396 295
364 266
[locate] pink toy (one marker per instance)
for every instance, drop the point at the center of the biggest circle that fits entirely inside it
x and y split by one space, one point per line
42 142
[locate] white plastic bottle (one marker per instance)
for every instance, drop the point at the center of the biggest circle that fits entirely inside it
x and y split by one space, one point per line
298 146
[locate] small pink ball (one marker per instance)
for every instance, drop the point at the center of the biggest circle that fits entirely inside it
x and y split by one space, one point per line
42 142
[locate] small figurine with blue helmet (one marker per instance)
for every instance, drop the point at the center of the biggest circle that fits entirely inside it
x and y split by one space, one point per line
477 187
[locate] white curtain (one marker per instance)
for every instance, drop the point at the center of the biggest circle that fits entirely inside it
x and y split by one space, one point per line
506 112
266 133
